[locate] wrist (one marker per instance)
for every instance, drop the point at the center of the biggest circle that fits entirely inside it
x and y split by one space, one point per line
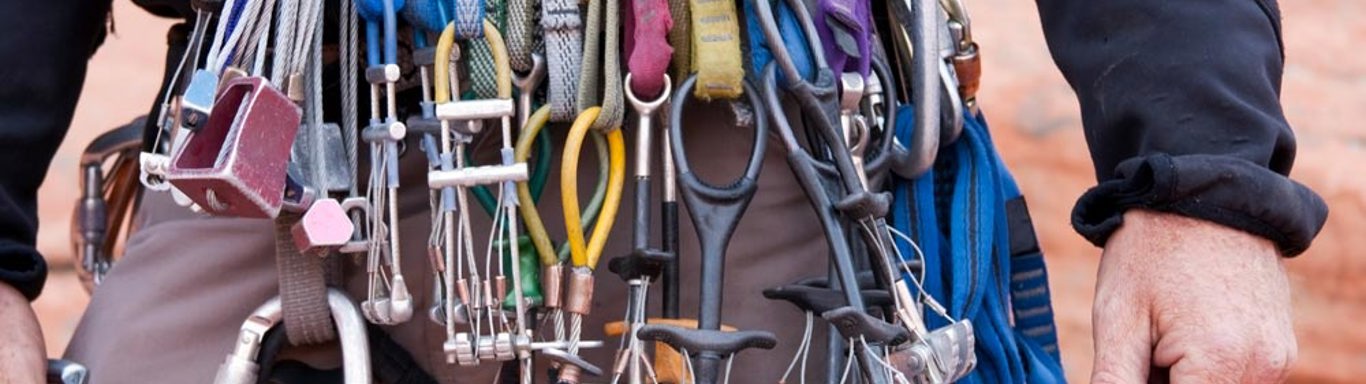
24 354
1220 189
1163 234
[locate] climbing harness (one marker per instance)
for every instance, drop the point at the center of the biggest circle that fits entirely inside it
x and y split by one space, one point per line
934 271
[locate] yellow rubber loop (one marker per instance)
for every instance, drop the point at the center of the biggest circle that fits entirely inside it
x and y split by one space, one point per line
594 206
716 54
501 66
586 256
531 218
441 78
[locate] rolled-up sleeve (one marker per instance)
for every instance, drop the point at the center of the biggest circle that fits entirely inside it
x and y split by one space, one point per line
1180 101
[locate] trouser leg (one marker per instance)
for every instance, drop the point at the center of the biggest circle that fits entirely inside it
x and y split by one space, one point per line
169 310
171 307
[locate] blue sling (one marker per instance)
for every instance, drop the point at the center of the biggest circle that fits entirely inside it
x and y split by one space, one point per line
983 262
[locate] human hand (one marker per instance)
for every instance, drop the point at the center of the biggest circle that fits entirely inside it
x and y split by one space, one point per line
1183 300
23 358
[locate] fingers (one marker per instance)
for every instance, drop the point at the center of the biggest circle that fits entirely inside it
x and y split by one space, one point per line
1229 354
1123 339
1180 300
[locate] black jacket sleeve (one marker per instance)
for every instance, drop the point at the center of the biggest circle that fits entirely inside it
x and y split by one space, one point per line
1181 105
45 45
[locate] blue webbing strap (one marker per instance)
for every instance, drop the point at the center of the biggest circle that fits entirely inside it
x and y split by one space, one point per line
427 16
469 19
793 39
978 260
1030 296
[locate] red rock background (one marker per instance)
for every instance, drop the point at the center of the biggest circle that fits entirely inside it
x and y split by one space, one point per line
1035 122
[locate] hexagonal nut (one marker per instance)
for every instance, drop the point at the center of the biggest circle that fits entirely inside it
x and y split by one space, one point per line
323 227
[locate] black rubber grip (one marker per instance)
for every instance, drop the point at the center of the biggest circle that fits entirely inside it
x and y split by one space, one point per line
821 300
703 340
852 322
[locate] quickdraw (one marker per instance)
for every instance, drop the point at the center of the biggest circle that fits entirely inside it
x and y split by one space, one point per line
887 116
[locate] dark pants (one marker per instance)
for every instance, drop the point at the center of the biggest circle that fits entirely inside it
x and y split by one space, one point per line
44 46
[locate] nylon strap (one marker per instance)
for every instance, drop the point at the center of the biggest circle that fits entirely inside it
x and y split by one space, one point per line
522 37
303 288
680 38
1029 294
959 214
647 46
426 15
469 19
563 44
604 72
845 27
302 279
716 49
794 40
483 73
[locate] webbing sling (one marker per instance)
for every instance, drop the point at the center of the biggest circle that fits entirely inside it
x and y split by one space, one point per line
427 15
647 46
563 45
600 82
978 261
845 27
483 73
794 41
469 19
680 38
523 37
302 277
716 56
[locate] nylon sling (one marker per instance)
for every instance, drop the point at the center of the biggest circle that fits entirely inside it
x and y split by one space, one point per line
680 38
647 47
602 65
469 19
483 73
523 38
716 55
845 27
794 40
965 215
563 44
296 65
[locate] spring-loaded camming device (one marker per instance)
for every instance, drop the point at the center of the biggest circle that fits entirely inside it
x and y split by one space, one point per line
388 301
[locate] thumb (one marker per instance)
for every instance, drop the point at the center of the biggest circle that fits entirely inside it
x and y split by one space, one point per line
1123 341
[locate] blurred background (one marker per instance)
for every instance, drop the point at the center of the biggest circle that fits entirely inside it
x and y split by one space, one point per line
1035 122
